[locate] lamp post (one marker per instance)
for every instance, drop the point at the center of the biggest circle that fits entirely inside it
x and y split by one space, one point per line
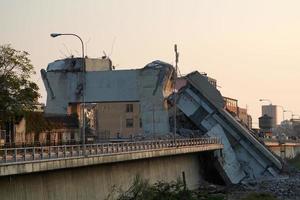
175 92
289 112
268 100
83 84
295 115
274 119
72 34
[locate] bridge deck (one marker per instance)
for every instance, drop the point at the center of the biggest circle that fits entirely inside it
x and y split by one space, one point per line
35 159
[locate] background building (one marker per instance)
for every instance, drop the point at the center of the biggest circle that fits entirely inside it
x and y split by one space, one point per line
116 118
271 111
231 105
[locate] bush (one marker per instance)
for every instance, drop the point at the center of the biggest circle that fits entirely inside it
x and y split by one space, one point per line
142 190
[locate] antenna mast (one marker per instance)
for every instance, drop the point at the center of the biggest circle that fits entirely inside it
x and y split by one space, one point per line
174 90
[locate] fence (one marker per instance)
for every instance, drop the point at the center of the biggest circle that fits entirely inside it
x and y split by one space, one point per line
30 154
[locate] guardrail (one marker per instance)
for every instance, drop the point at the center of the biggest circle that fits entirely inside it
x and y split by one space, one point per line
31 154
281 140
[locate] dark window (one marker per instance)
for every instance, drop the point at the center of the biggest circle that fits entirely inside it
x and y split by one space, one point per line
59 137
129 123
72 136
141 123
48 137
129 107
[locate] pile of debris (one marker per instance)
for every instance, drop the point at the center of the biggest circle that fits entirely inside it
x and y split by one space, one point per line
283 188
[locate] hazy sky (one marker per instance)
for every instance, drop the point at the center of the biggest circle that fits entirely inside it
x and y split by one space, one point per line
251 47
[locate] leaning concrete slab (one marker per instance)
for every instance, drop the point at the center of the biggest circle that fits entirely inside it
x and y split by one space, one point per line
244 157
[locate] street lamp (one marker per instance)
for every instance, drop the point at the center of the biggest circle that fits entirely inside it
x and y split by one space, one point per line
83 83
289 112
295 115
268 100
72 34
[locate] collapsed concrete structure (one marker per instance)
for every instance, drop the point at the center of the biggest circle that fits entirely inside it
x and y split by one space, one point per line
243 155
149 89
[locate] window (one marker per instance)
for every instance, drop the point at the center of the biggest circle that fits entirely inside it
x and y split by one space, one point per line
129 123
141 123
72 136
129 108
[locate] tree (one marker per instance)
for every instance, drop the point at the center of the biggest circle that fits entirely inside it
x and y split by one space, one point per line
17 92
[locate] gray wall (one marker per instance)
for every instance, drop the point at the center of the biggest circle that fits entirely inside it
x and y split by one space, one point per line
103 86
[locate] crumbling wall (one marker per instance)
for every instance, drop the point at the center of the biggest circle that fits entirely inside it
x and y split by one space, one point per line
150 86
154 88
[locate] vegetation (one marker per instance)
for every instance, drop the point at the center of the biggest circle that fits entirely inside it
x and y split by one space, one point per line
18 93
176 190
259 196
295 162
142 190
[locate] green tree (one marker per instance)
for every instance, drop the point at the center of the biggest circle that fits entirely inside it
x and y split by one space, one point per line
17 92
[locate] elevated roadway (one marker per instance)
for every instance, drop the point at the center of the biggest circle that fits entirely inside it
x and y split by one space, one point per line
36 159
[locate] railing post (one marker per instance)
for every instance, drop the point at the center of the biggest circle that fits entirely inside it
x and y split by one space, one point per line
49 152
24 154
42 152
15 154
57 151
33 153
65 151
5 154
97 146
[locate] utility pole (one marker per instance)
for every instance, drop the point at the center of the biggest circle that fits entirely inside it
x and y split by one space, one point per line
174 90
153 120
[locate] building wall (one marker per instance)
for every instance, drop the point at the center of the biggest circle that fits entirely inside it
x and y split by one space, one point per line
271 111
154 88
20 130
56 136
242 115
113 120
101 86
249 120
231 105
150 86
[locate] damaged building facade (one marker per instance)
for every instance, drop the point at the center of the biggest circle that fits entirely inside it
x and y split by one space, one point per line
140 102
125 103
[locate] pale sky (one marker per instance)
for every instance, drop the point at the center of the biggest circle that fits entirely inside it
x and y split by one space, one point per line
251 47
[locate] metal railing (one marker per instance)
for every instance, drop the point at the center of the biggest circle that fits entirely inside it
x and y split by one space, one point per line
31 154
281 140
